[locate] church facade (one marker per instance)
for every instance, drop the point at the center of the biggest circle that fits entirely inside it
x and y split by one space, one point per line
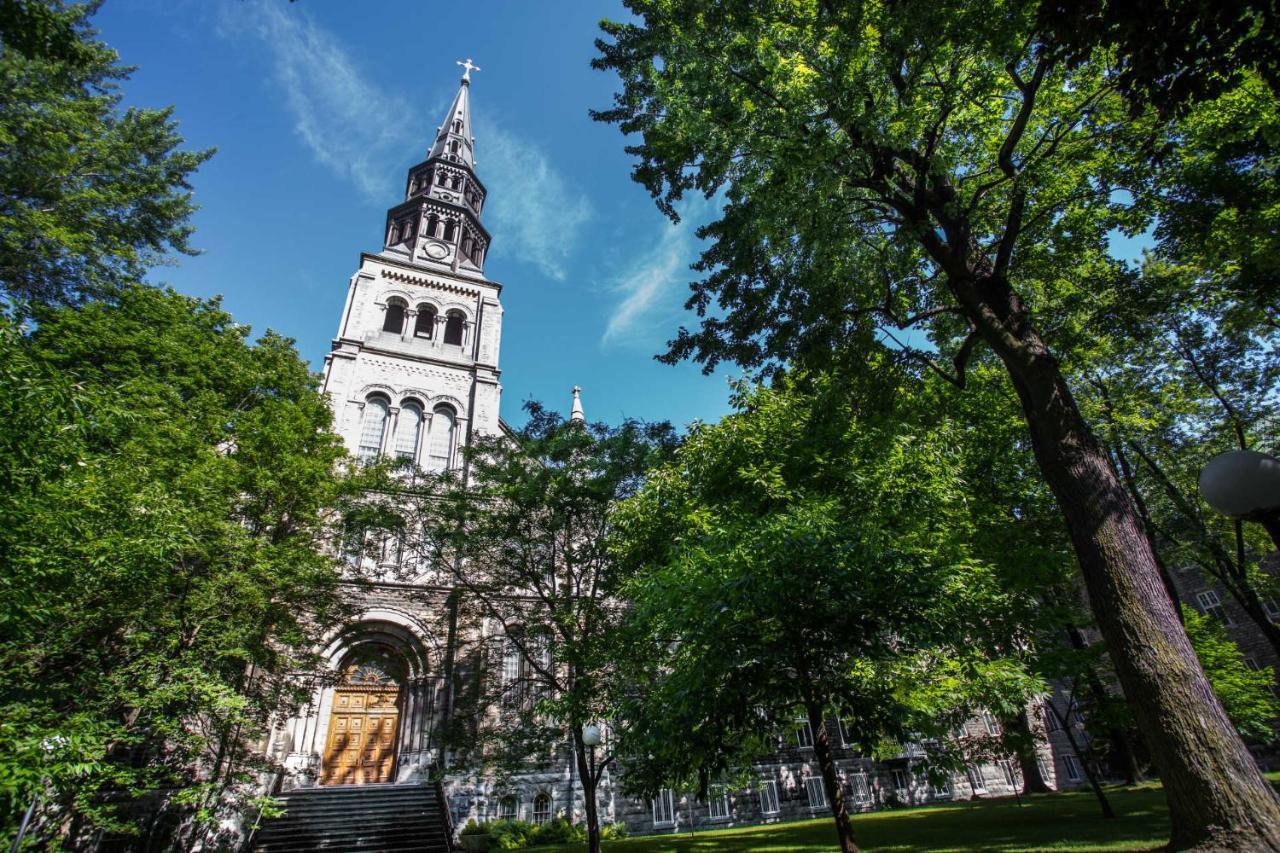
414 375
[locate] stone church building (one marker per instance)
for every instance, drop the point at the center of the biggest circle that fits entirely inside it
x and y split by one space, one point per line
414 374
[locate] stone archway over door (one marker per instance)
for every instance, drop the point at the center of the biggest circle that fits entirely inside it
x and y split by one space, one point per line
364 723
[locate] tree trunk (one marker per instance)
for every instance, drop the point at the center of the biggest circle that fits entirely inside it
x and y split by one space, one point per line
1086 762
830 782
1099 696
1148 526
1217 797
587 773
1032 781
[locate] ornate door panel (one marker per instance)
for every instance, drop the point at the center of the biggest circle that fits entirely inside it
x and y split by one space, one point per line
363 726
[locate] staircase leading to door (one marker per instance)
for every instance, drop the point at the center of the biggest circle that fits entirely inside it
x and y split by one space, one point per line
360 817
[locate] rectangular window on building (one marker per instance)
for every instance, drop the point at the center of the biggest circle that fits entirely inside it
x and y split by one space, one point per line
719 804
902 784
353 538
1011 773
664 808
859 788
977 782
991 723
804 734
512 672
768 796
1250 663
816 793
941 790
1050 719
1211 605
1072 766
1272 608
542 808
392 552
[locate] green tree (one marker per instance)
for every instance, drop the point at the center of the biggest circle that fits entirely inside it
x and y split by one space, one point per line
524 532
808 558
1245 693
90 195
1171 396
1217 203
1169 54
934 167
162 537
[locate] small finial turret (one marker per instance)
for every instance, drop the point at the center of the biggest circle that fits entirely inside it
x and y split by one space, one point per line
576 415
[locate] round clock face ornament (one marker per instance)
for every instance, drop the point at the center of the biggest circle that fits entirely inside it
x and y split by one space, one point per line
438 251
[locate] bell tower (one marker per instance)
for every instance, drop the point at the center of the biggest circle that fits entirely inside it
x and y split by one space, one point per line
413 371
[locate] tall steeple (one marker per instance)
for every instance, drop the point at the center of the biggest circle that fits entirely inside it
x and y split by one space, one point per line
454 141
438 223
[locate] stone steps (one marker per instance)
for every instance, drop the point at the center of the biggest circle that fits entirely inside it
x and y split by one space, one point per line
390 818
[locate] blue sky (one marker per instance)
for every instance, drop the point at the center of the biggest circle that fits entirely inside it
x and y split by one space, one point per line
318 108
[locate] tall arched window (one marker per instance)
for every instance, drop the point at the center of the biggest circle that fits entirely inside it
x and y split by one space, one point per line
408 432
394 319
453 323
376 412
450 229
433 222
440 449
406 233
424 326
457 182
541 808
507 808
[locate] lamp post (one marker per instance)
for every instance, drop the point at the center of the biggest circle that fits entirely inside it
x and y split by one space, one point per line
1245 484
591 739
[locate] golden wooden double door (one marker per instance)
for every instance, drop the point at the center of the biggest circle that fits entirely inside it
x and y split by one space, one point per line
361 744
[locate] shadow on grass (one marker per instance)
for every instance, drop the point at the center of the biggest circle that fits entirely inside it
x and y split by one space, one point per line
1067 821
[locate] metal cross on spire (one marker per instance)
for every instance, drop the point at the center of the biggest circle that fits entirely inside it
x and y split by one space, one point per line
467 68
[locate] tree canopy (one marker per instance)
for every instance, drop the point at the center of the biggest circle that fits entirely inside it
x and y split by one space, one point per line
942 180
524 533
809 557
90 194
162 534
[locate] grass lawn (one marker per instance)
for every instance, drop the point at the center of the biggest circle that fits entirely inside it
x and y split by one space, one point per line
1068 821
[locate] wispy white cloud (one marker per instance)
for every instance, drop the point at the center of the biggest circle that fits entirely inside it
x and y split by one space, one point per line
338 112
651 287
533 211
363 133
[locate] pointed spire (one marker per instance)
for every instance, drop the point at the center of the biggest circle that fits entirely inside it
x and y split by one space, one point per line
453 138
576 415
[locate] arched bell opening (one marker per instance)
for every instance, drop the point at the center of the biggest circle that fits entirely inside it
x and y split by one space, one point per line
365 717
